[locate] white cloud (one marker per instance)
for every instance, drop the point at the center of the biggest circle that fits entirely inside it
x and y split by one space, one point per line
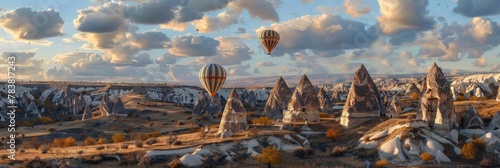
265 64
404 15
356 8
263 9
496 67
25 24
191 45
321 33
27 66
475 8
481 62
210 24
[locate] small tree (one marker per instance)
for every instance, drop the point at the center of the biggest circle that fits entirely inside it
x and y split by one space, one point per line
479 144
381 163
155 134
262 120
90 141
469 151
332 133
426 157
70 141
59 142
415 95
324 115
101 141
270 155
117 138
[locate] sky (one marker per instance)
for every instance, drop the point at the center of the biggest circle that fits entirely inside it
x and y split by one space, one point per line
158 41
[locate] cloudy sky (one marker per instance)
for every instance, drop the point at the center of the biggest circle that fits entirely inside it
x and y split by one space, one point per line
157 41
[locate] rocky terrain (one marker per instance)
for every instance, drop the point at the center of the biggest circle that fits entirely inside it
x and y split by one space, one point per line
170 124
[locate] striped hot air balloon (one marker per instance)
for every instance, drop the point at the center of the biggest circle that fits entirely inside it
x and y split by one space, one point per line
269 39
212 77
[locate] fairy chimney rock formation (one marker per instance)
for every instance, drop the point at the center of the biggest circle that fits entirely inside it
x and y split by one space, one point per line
472 120
87 113
324 102
498 90
215 105
394 108
336 96
119 109
202 104
363 100
105 106
234 117
304 104
436 102
278 99
495 122
412 88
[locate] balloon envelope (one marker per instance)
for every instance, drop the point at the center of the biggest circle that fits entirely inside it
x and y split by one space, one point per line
269 39
212 77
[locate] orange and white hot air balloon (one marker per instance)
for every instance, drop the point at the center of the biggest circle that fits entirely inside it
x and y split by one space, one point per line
212 77
269 39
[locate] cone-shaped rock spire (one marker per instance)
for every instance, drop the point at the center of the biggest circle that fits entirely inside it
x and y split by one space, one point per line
436 102
87 113
278 99
304 103
234 117
472 119
105 106
363 99
324 102
119 108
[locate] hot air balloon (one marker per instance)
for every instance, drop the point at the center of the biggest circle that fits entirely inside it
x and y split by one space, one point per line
269 39
212 77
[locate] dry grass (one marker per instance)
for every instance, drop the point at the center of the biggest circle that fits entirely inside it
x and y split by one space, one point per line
486 109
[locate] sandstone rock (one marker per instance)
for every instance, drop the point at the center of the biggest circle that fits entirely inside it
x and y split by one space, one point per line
394 108
105 106
436 103
363 99
119 108
234 117
304 104
412 88
472 119
277 99
87 113
324 102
